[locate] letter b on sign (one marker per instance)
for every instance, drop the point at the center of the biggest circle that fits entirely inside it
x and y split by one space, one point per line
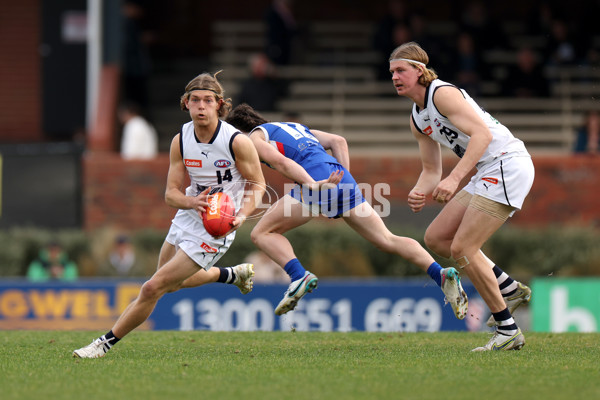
566 305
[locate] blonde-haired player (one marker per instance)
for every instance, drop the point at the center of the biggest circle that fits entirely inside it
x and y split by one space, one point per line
445 115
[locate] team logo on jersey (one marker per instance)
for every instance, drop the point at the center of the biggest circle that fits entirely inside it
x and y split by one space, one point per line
222 163
428 131
490 180
193 163
207 248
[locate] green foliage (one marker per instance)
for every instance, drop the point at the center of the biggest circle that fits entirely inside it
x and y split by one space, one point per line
564 251
333 249
317 365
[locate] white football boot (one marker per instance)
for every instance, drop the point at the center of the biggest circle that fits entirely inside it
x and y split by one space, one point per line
96 349
243 277
296 291
504 342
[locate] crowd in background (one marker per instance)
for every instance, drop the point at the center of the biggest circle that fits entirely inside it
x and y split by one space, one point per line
462 56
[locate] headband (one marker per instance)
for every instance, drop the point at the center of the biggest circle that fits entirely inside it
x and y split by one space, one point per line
409 60
199 88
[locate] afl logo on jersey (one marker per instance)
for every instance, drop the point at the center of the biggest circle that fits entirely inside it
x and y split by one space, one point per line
222 163
193 163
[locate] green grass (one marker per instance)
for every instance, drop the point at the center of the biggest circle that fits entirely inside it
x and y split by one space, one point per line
288 365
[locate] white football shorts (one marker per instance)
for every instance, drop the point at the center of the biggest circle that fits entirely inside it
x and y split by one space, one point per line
507 181
187 233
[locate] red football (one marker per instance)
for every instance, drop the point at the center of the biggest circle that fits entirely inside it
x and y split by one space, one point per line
219 214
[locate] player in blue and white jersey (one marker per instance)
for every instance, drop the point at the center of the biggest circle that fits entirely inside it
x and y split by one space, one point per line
300 154
444 115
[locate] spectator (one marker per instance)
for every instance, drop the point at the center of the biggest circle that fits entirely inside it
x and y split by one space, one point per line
52 264
282 32
262 89
139 140
539 17
560 49
468 64
418 27
486 31
587 140
387 31
526 78
122 260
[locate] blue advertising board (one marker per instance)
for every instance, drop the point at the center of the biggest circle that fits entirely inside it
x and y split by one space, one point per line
390 305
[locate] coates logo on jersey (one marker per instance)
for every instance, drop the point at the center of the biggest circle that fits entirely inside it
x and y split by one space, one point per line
222 163
428 131
193 163
207 248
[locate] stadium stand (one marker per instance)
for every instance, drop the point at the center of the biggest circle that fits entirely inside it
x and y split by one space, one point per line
335 87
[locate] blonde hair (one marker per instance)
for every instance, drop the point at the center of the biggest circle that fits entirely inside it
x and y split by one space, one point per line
206 81
412 51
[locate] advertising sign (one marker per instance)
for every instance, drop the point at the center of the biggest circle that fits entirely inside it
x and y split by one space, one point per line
369 305
565 305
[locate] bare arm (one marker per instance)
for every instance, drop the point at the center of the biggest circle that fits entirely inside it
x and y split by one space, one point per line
450 102
288 167
175 191
431 158
248 163
337 144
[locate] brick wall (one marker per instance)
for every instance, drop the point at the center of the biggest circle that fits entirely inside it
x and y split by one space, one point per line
20 85
130 195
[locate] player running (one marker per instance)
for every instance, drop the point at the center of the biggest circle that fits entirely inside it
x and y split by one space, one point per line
445 115
213 155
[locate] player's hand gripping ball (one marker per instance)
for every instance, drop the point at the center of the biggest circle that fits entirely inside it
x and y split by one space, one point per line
219 214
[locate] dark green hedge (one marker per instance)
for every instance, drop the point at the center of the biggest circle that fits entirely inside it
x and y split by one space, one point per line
333 249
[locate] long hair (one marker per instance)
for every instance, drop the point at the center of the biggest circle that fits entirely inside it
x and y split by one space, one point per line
412 51
245 118
206 81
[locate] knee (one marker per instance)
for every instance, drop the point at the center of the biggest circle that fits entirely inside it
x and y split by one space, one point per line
433 242
457 250
151 289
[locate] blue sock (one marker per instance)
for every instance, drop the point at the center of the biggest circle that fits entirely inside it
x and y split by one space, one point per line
294 269
434 271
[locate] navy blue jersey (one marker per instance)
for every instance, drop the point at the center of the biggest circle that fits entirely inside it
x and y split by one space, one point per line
295 141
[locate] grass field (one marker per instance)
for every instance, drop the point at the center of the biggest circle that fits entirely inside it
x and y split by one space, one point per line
287 365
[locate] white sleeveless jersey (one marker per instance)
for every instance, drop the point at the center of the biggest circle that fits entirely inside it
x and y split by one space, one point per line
429 121
211 164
